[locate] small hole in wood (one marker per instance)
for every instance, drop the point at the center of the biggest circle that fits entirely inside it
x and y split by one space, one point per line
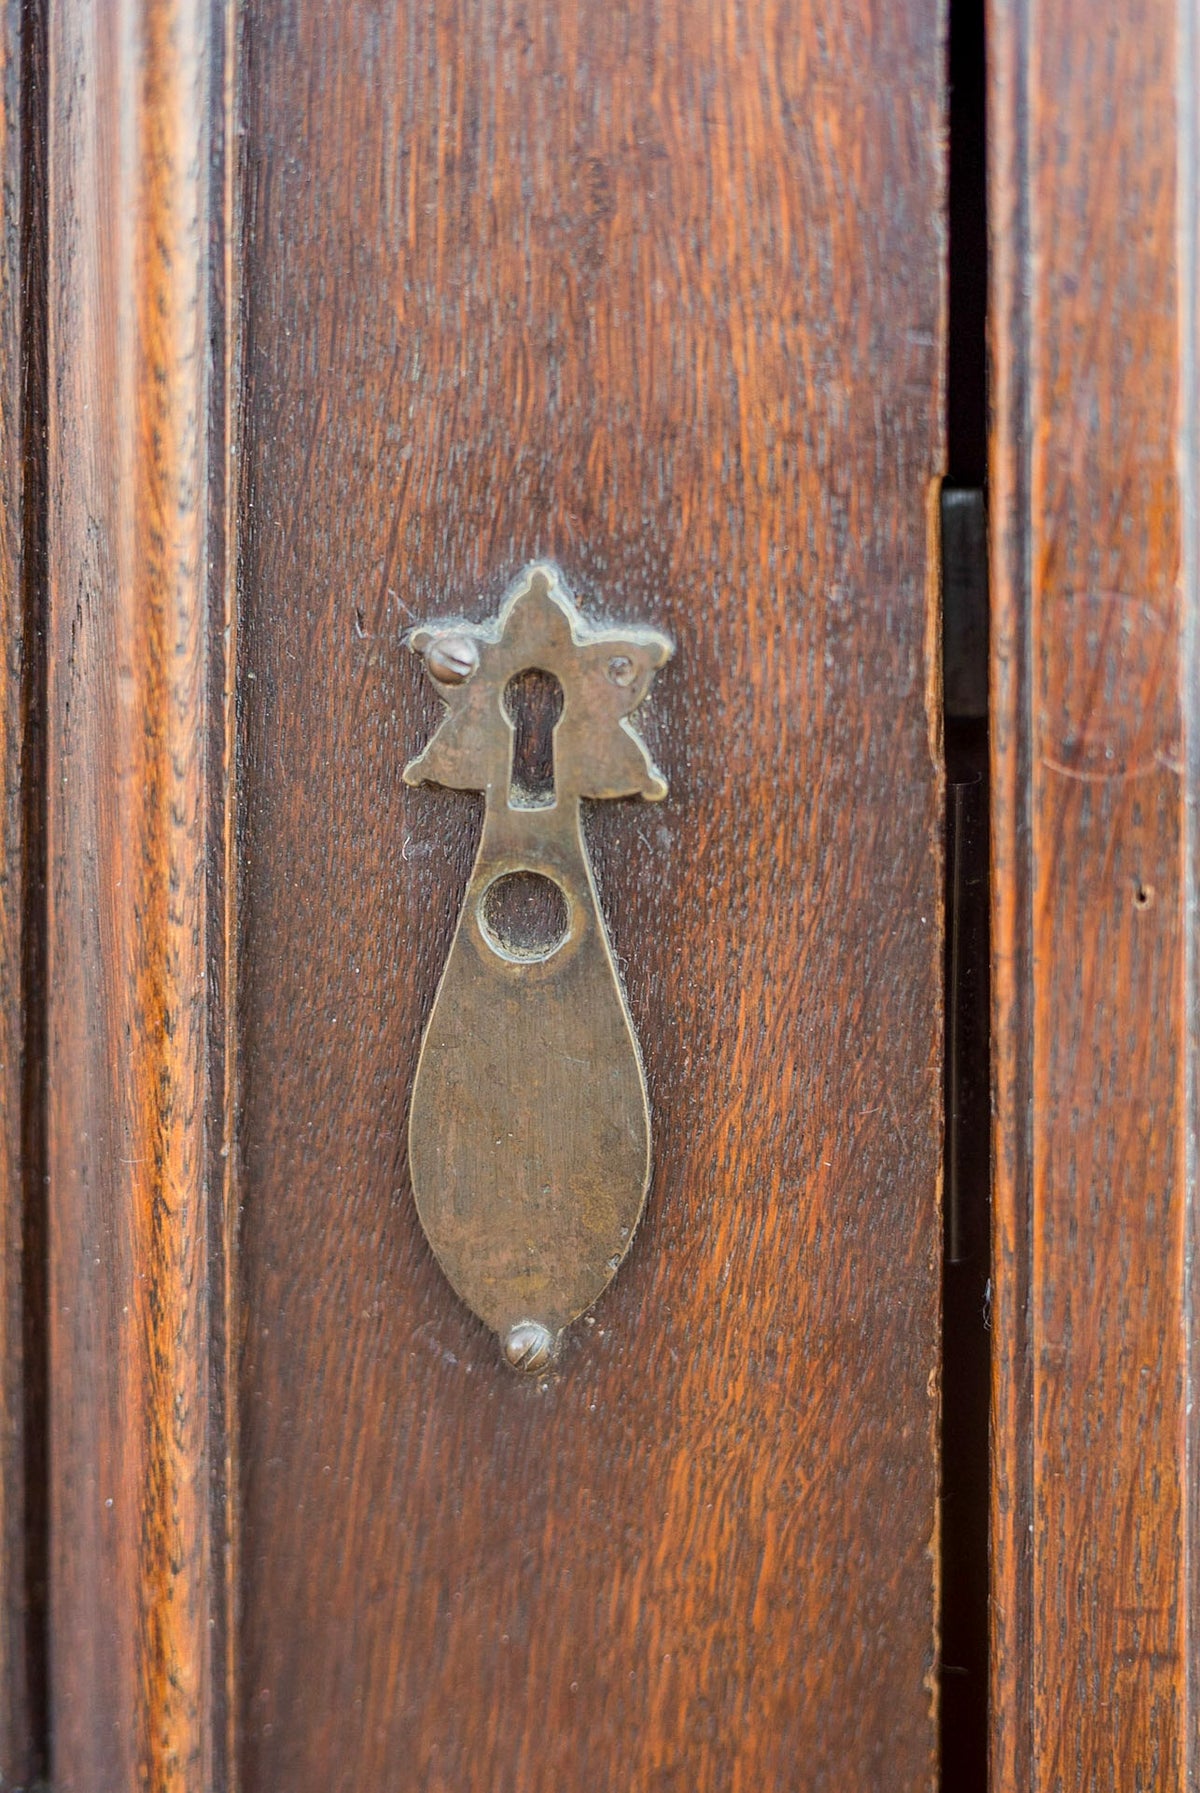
524 915
533 700
1143 896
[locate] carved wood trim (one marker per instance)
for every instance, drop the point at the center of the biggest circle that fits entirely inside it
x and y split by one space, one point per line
139 924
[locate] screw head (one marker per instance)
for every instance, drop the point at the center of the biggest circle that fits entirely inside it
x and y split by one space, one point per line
622 671
452 659
529 1345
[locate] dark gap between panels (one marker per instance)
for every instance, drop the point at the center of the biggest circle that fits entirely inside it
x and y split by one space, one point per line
966 1286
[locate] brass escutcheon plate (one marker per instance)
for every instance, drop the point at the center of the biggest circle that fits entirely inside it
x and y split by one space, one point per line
529 1128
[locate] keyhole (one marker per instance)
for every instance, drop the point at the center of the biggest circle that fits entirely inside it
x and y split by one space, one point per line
534 701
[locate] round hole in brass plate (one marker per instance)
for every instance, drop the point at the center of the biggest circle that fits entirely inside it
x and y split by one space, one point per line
524 916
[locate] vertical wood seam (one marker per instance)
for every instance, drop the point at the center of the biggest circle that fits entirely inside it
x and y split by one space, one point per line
23 1709
33 992
227 29
1188 215
1010 579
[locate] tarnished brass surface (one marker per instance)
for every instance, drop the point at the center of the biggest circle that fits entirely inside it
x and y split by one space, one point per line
529 1131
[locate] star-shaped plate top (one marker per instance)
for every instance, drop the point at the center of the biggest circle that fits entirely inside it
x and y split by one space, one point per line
603 673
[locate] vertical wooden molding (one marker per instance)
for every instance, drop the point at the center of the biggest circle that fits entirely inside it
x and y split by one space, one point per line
22 567
1094 780
136 852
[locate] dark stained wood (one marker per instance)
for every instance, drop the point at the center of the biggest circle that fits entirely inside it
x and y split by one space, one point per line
135 843
1094 466
22 1290
655 291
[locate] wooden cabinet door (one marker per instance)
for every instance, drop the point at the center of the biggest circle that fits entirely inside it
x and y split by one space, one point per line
356 311
655 294
317 322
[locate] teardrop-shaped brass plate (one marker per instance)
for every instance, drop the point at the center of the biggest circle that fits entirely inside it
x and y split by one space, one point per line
529 1129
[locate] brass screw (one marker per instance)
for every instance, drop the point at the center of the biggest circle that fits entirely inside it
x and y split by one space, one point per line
622 671
452 659
529 1345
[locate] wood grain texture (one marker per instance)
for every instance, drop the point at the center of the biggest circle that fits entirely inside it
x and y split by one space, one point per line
22 1292
1094 778
134 864
655 292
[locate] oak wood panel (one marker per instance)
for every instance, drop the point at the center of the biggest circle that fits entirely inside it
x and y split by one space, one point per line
656 292
135 788
22 1291
1095 613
